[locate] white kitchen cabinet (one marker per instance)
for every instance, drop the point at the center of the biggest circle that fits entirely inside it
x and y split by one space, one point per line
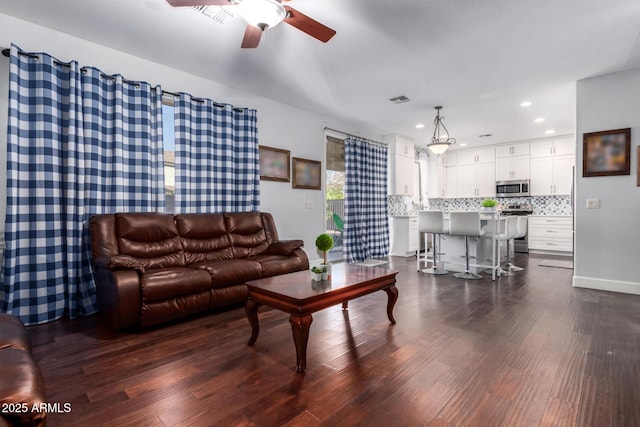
512 161
402 158
551 175
552 234
510 150
513 167
476 180
476 156
404 176
447 159
561 146
404 235
451 182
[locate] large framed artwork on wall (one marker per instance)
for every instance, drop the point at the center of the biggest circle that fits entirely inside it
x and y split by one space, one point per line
307 174
607 153
274 164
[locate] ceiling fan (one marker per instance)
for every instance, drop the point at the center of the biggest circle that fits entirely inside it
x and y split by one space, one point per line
264 14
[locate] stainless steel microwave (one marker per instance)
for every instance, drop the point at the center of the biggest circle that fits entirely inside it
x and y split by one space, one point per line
515 188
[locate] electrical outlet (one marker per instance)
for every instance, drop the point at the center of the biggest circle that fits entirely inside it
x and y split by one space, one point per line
593 203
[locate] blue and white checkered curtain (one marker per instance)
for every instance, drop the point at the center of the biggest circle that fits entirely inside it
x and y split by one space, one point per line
366 225
78 143
216 149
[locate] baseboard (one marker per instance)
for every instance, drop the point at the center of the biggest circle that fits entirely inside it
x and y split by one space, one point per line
606 285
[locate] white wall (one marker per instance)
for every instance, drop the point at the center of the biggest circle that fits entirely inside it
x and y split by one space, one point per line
607 240
279 125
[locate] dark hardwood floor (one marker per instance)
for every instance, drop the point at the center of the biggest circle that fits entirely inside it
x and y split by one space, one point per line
527 350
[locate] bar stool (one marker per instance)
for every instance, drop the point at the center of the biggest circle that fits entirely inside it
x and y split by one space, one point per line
431 222
521 231
465 224
508 233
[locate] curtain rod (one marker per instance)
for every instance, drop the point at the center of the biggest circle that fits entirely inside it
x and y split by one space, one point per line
356 136
7 53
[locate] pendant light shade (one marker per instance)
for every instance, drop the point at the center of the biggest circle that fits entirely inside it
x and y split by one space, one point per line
440 141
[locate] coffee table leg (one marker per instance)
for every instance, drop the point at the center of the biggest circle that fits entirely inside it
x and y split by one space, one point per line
392 294
345 305
251 309
300 326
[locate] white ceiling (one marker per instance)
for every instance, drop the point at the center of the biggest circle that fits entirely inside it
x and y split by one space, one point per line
480 59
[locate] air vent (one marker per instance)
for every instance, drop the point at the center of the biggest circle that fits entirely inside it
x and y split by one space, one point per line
217 13
485 135
399 99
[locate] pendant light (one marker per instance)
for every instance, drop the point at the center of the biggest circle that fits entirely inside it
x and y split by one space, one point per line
440 141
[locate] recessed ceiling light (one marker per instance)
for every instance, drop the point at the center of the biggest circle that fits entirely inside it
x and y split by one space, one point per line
550 131
464 144
539 120
419 126
526 104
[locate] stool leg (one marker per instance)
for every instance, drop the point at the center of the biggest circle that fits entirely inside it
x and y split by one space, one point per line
508 271
468 275
510 267
434 269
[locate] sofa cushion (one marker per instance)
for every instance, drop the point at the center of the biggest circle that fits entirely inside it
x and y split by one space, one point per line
246 233
231 272
273 265
204 237
171 282
151 238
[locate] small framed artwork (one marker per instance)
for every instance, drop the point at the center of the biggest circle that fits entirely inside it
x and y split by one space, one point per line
307 174
274 164
607 153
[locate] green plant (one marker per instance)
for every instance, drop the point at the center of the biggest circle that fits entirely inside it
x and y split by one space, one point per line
319 270
489 203
324 242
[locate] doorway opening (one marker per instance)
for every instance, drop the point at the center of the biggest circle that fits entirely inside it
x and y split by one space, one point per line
334 211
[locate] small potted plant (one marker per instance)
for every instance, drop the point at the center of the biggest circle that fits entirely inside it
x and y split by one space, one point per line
318 273
489 204
324 243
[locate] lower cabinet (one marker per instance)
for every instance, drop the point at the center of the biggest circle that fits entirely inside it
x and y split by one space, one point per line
403 232
550 234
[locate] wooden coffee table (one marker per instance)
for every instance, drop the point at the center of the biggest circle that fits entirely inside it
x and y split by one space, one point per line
298 295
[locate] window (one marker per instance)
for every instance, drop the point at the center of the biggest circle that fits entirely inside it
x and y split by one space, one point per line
168 135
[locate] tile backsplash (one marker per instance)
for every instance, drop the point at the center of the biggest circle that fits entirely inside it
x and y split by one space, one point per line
542 205
402 206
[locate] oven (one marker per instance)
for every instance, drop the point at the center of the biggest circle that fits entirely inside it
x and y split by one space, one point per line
521 244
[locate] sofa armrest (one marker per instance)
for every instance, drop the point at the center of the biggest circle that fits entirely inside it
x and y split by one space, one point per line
118 296
284 247
119 262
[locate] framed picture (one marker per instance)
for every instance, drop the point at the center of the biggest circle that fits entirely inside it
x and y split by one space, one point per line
307 174
274 164
607 153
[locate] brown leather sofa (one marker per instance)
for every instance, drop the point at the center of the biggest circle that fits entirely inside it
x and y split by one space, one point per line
153 267
21 383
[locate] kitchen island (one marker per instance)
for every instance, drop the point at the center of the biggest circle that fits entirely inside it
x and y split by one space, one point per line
484 253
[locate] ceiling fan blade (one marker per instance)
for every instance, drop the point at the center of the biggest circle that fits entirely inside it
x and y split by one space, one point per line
178 3
251 37
308 25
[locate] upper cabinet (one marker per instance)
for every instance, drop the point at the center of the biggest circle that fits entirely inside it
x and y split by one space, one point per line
512 161
552 164
476 156
561 146
401 179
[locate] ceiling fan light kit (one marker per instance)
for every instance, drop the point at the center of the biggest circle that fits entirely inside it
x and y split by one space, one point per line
440 141
262 14
265 14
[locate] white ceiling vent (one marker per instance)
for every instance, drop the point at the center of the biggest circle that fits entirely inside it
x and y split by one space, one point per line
399 99
217 13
